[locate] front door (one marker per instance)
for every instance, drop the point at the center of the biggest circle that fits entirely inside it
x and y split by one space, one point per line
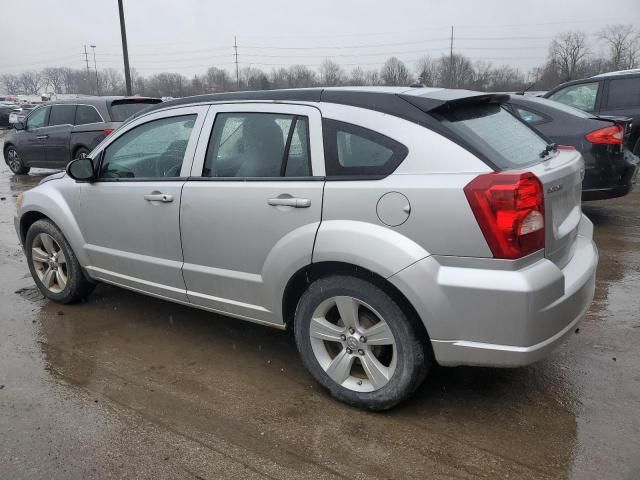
251 209
32 139
130 214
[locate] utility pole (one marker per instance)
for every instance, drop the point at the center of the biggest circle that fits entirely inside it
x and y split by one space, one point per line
86 59
125 50
451 60
235 46
95 66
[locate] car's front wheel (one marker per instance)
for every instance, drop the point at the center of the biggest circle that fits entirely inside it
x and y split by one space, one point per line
358 343
53 265
14 162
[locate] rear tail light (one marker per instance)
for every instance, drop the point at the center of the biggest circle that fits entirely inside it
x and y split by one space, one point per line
613 135
509 208
108 131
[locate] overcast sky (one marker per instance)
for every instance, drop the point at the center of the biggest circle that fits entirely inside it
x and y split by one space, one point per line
187 36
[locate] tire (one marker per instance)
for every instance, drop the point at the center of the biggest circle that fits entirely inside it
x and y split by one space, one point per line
48 251
14 162
81 153
402 358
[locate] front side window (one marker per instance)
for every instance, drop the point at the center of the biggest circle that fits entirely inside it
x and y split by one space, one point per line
87 114
353 150
152 150
62 115
258 145
38 118
624 93
582 96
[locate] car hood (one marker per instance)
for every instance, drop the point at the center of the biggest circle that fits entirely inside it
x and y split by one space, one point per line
55 176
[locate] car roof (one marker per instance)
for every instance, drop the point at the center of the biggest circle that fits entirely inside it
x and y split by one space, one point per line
406 102
619 73
95 100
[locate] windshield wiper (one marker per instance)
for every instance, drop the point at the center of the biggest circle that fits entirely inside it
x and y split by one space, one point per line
551 147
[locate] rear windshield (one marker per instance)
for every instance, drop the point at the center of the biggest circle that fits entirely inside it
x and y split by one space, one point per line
120 110
504 140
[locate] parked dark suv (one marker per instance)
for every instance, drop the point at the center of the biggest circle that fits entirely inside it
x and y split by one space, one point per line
615 94
57 132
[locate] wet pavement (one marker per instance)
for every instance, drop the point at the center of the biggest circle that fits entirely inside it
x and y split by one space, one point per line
128 386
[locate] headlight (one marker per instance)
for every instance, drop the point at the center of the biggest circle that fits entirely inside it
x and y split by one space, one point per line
19 201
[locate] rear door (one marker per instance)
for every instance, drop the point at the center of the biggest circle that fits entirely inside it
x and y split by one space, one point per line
252 207
58 134
32 140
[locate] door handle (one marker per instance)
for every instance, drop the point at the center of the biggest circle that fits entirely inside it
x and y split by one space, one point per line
42 137
158 197
290 202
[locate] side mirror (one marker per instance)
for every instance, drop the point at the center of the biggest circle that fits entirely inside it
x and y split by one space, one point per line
81 169
18 126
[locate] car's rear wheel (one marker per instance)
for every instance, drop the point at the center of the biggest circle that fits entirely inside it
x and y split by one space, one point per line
358 343
53 265
14 162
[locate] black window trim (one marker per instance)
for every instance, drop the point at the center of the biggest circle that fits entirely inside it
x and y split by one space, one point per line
335 171
285 154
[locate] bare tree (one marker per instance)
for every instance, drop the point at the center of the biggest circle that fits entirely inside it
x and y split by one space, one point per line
10 83
112 82
372 77
568 51
455 71
31 82
278 77
427 71
395 72
54 78
331 74
624 44
356 77
217 80
300 76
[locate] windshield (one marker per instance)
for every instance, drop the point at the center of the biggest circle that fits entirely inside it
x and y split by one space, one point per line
506 141
120 110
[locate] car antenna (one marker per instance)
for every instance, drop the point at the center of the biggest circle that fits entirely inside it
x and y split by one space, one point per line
526 89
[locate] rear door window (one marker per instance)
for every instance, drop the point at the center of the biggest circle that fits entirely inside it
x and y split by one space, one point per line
258 145
87 114
62 115
353 150
582 96
497 134
624 93
120 110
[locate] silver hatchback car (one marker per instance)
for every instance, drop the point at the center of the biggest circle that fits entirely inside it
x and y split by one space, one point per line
388 228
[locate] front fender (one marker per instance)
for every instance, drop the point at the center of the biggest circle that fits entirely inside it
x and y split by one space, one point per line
59 201
378 249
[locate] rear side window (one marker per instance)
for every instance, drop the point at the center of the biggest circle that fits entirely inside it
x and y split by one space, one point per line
120 110
62 115
258 145
352 150
497 134
623 93
530 117
87 114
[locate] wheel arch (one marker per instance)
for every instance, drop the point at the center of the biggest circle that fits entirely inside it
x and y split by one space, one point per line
301 280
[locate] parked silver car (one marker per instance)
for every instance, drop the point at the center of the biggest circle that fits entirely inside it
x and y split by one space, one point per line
388 228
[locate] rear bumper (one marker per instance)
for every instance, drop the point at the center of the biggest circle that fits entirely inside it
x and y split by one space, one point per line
501 313
605 188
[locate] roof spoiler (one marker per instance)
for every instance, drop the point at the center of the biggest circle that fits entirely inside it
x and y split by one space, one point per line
448 99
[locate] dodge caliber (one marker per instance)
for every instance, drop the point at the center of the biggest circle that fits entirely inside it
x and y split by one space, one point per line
390 229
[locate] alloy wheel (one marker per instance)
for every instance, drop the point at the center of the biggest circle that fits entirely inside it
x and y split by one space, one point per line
13 160
49 262
353 344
